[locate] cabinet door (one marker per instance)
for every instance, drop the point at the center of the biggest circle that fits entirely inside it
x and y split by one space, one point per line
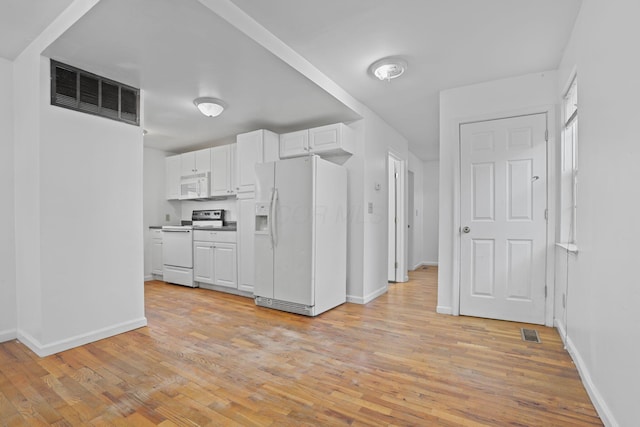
202 160
220 173
246 267
156 256
249 152
324 138
270 147
294 144
233 175
172 177
188 163
224 265
203 268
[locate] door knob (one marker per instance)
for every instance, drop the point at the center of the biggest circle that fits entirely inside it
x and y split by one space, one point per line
466 229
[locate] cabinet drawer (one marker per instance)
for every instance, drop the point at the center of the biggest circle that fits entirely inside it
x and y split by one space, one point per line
155 233
214 236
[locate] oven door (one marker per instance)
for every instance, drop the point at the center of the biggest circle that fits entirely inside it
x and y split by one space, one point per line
177 246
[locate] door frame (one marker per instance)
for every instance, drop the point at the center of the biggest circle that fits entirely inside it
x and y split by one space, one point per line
401 212
551 148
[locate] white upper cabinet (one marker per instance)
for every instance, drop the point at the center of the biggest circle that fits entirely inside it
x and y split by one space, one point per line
223 170
195 162
252 148
330 140
172 177
294 144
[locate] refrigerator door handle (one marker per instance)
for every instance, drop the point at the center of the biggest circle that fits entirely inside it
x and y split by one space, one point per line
270 220
274 218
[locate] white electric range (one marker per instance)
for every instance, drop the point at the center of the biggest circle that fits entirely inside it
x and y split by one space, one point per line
177 246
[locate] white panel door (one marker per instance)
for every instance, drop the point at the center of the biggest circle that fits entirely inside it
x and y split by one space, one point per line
224 265
502 217
203 262
294 144
248 154
293 246
220 173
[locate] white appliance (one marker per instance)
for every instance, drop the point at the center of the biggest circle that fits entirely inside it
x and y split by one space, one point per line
194 186
177 254
301 235
177 246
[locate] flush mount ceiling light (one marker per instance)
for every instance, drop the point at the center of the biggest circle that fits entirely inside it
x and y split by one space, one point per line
388 68
210 107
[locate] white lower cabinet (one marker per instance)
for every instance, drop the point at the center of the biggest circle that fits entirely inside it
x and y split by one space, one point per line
225 265
214 258
203 262
156 252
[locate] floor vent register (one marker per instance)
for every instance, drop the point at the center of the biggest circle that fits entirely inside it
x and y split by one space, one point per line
530 335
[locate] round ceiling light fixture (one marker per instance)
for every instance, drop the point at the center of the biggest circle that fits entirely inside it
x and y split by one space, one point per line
388 68
210 107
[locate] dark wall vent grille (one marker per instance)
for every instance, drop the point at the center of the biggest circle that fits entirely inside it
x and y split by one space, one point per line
80 90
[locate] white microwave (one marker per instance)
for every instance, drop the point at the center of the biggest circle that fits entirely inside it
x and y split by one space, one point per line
194 186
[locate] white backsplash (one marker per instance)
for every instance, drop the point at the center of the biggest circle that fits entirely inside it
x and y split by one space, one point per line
229 205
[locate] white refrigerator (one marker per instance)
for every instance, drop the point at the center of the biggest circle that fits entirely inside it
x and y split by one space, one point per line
301 235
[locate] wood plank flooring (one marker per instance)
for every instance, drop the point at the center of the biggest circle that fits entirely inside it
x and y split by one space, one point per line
212 359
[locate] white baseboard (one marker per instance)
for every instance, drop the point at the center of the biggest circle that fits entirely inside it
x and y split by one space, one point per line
426 264
147 278
68 343
596 398
8 335
444 310
367 298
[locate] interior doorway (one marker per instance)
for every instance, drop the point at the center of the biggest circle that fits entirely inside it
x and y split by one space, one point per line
397 263
503 218
411 255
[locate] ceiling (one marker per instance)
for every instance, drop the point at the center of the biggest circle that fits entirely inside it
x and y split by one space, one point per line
22 20
447 44
178 50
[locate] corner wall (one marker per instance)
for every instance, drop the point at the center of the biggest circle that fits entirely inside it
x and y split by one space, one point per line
91 226
430 216
8 312
417 216
155 205
78 212
380 138
603 296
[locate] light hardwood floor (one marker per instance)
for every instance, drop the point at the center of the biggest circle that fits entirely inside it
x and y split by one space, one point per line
208 358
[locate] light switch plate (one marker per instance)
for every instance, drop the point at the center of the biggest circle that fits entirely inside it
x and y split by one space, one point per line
167 217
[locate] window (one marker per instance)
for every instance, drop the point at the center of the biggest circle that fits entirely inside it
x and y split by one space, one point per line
569 165
82 91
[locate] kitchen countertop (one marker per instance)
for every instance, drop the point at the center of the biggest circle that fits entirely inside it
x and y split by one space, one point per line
228 227
231 226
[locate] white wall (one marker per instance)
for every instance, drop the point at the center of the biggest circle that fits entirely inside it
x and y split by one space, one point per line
8 319
429 238
523 94
417 167
155 205
78 212
356 216
380 138
91 225
603 296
